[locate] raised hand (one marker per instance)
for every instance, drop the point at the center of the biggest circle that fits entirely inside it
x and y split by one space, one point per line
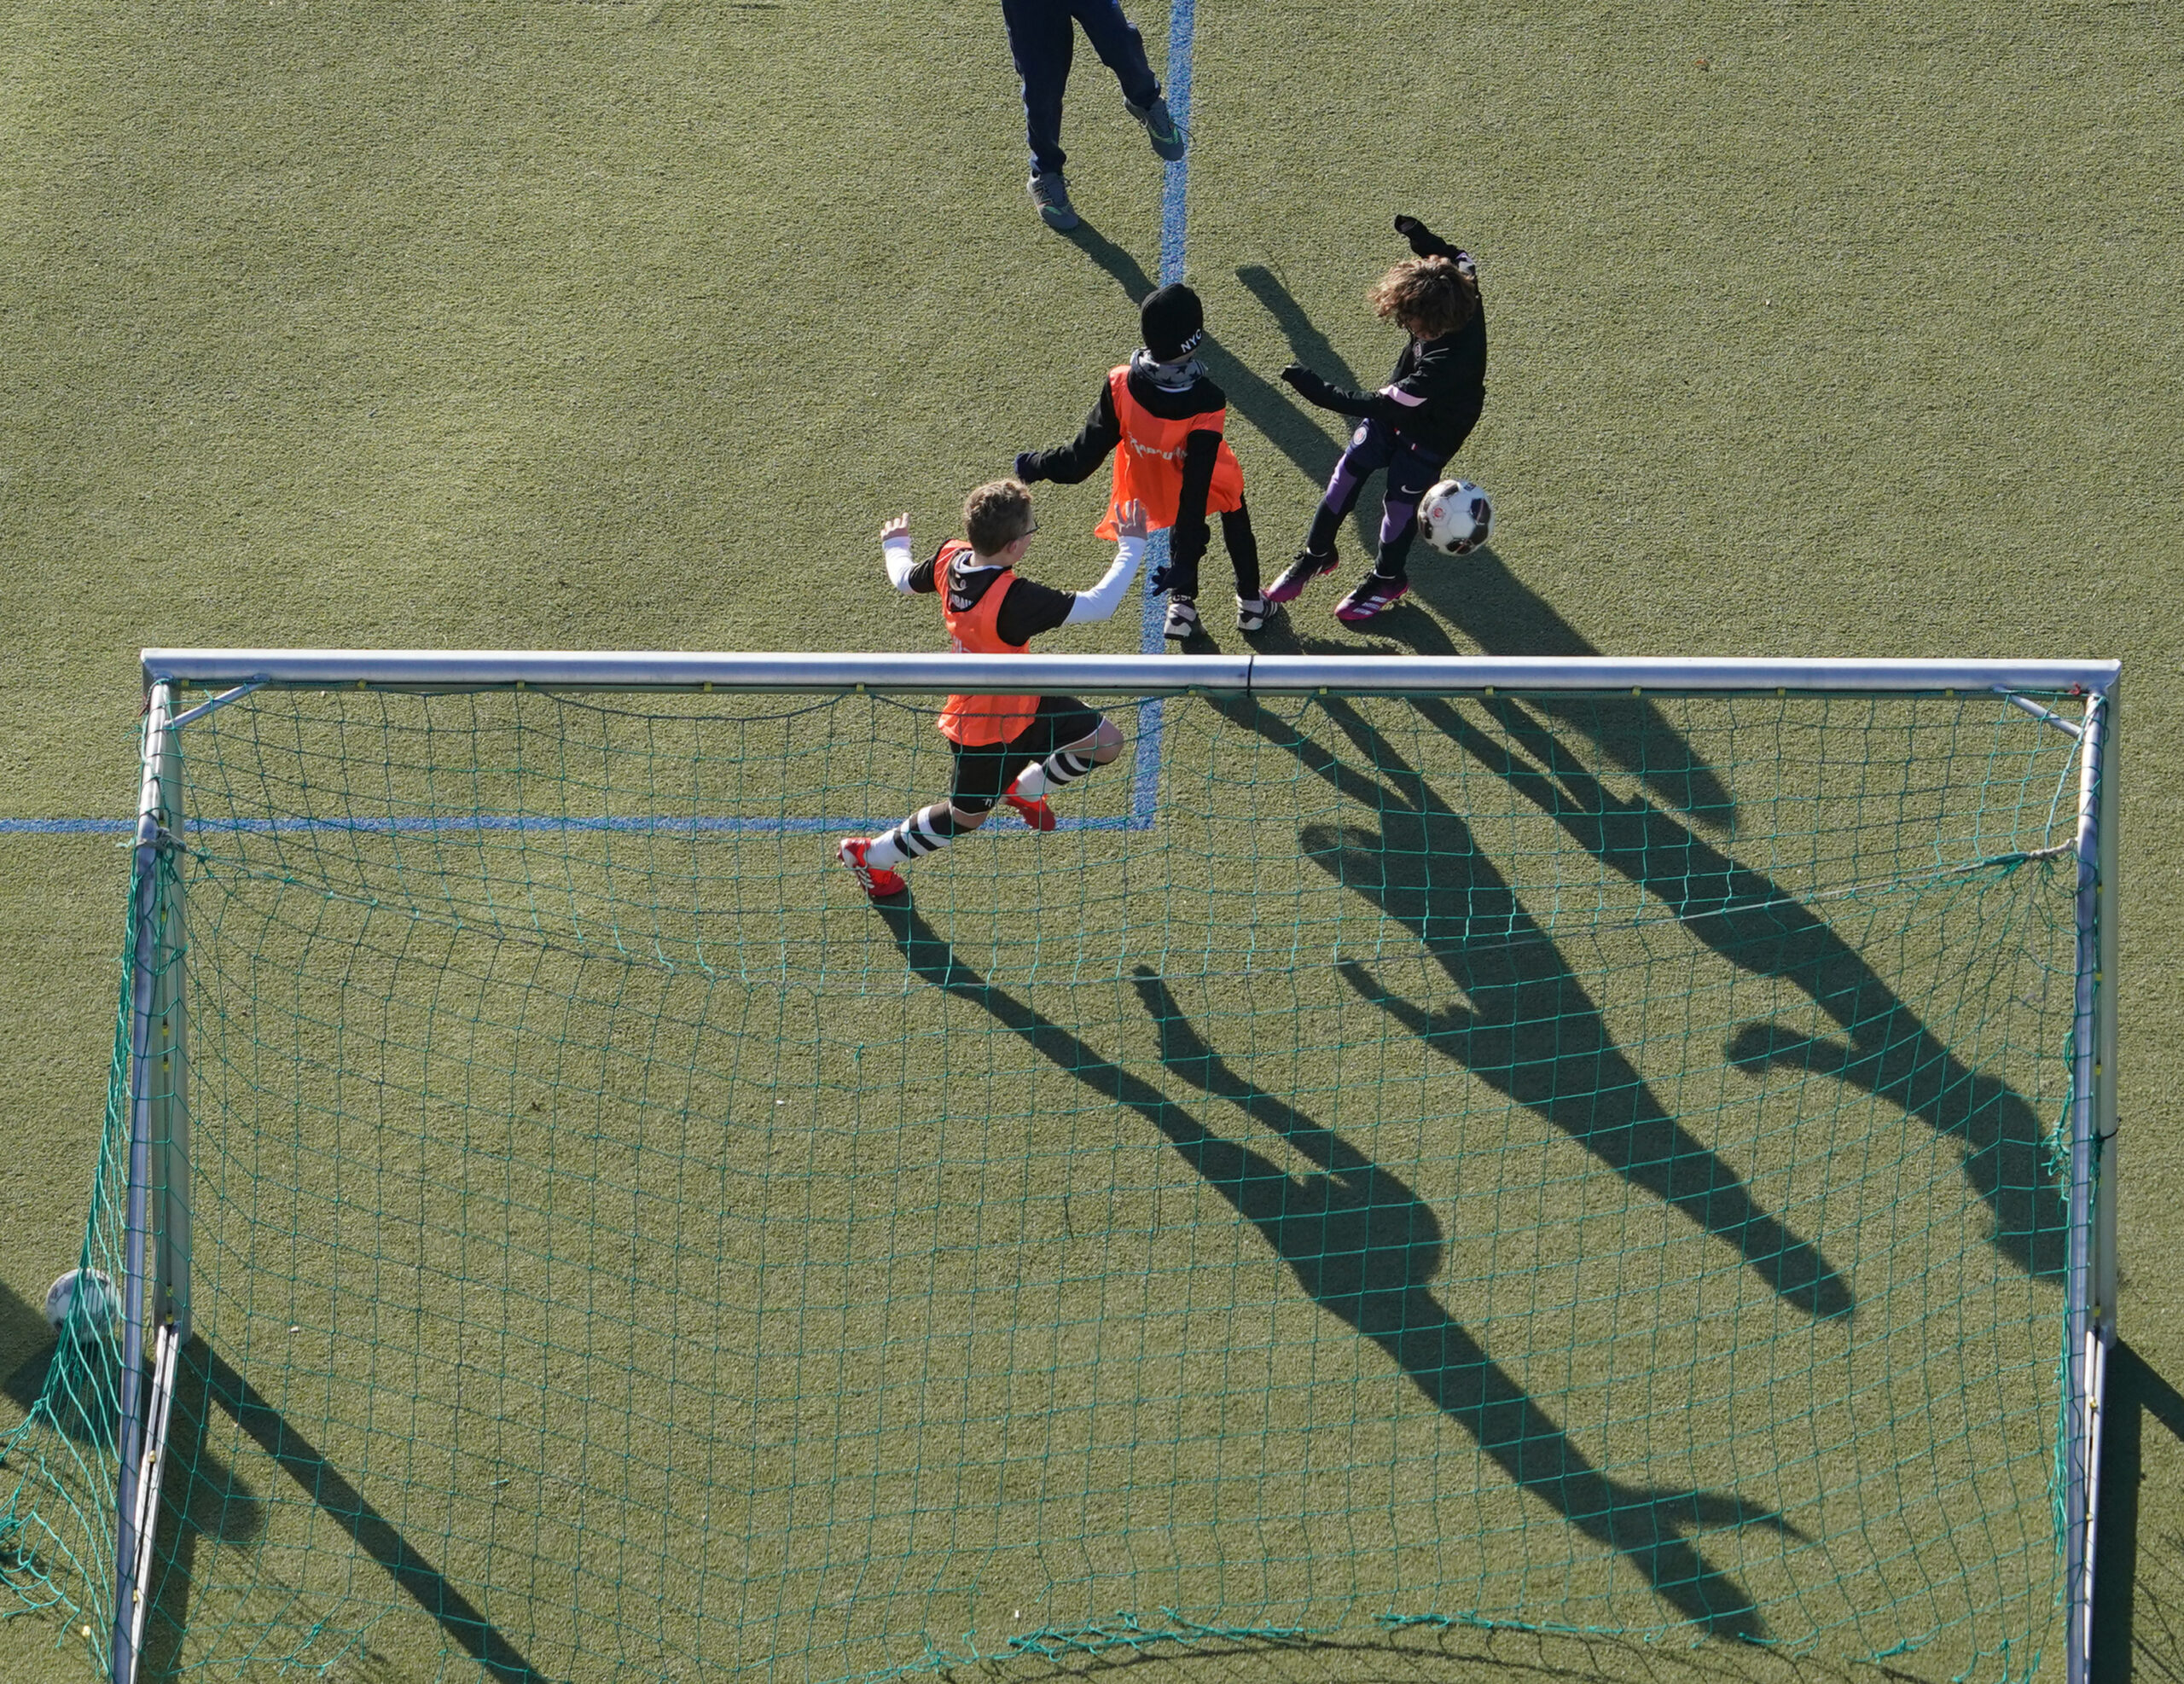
1421 236
1130 520
899 527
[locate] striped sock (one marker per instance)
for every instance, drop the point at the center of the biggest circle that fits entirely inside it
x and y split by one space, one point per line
1058 769
1063 767
921 833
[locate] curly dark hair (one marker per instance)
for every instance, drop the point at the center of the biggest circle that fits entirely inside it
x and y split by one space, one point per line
996 515
1428 296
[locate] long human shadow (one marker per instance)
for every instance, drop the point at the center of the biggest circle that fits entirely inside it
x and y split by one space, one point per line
2135 1392
348 1508
1364 1245
1530 1030
1755 924
1484 598
1502 616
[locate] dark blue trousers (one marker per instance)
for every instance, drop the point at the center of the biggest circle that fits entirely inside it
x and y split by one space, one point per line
1411 468
1042 39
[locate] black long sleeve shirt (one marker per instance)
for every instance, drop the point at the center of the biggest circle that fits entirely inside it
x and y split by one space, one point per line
1440 386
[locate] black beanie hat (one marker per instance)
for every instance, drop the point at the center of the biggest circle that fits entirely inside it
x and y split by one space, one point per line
1173 323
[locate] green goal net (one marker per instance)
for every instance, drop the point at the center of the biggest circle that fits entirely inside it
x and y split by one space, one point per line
1577 1160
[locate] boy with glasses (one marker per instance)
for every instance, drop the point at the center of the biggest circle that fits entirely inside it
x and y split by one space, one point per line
1006 748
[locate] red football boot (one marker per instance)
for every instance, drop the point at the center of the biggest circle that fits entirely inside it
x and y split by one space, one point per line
876 880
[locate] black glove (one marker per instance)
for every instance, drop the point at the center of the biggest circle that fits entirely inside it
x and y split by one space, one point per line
1156 581
1309 386
1421 236
1027 466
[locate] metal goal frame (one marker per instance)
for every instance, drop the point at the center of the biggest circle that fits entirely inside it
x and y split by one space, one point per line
157 1225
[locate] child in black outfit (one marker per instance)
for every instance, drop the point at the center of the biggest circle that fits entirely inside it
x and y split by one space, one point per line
1410 426
1163 420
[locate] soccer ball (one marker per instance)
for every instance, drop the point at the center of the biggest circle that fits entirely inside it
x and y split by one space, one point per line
83 1304
1455 516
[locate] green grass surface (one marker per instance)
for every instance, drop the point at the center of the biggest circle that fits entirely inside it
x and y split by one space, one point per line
1816 330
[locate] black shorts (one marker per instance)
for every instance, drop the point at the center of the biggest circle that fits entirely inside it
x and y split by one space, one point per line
984 771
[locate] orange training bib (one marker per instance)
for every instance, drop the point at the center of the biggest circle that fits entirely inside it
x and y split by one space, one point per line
977 721
1149 462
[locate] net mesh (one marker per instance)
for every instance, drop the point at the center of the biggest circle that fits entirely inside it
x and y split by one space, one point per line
1583 1163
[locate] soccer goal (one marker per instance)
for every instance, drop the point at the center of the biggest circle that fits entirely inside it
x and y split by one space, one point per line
1620 1148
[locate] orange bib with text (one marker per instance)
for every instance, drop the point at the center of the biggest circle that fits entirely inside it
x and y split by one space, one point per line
1149 462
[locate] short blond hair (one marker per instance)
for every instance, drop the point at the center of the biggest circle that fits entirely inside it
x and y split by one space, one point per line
1429 296
996 515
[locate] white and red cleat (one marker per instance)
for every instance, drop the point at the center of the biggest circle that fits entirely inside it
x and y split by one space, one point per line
876 880
1034 812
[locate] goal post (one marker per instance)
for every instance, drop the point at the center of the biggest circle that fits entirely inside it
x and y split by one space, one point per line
155 1228
556 1104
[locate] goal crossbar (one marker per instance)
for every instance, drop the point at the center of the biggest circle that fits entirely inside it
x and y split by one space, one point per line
1132 675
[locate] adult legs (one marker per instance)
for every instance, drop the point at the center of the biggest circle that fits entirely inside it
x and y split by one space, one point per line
1042 40
1120 48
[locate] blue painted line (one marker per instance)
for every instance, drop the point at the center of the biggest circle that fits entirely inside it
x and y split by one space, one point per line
1183 21
1145 766
1175 195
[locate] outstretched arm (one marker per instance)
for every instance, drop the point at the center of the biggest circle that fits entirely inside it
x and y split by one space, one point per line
1325 394
895 552
1101 602
1072 463
1425 243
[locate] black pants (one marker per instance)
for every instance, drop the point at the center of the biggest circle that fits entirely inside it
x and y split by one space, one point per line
1412 469
984 771
1042 39
1243 554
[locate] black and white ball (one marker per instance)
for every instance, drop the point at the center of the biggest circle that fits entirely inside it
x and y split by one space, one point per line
84 1304
1455 516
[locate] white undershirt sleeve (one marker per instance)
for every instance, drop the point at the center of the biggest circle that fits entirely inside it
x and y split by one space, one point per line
1101 602
897 553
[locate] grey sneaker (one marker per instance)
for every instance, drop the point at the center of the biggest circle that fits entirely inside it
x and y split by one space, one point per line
1162 130
1251 612
1051 195
1183 619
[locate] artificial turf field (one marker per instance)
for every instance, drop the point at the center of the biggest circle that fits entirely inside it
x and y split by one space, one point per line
595 326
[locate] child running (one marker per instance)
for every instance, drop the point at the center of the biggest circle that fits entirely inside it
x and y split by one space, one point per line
1411 425
1016 749
1163 419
